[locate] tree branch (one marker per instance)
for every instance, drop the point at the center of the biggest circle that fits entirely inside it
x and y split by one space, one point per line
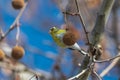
14 23
80 76
101 21
114 62
106 60
96 75
82 22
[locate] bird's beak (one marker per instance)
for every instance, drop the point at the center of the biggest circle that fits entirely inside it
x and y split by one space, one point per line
50 30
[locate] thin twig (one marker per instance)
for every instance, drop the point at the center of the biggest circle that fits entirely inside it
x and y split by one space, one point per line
18 32
76 77
106 60
114 62
14 23
82 22
68 13
96 74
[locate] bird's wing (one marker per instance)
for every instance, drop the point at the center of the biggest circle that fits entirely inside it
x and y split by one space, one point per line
60 35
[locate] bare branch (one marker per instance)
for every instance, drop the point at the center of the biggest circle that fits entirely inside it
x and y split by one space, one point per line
82 22
96 74
14 23
68 13
18 32
78 76
101 21
114 62
106 60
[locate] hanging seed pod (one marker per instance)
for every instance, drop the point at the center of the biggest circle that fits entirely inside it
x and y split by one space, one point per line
71 28
18 4
17 52
2 55
69 38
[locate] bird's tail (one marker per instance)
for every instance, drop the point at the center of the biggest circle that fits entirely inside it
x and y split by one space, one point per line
80 50
76 47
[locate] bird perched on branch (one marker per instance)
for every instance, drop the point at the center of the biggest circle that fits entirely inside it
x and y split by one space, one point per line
65 39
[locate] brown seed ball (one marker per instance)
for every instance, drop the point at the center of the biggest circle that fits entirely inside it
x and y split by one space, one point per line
69 39
18 4
2 55
17 52
71 28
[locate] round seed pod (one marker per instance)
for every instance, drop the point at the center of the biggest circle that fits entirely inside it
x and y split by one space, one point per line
2 55
18 4
69 38
71 28
17 52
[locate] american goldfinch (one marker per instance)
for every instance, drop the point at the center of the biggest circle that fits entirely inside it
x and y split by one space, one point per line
57 35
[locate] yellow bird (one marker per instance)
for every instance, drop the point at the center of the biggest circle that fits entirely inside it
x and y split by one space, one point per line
57 35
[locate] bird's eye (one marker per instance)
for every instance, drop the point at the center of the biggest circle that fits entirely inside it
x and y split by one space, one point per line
52 28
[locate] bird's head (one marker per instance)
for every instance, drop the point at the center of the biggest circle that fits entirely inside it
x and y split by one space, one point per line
53 30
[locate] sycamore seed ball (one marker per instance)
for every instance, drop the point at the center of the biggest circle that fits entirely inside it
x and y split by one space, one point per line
17 52
69 38
18 4
2 54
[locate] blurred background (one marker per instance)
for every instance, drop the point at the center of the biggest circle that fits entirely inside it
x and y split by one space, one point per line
42 55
